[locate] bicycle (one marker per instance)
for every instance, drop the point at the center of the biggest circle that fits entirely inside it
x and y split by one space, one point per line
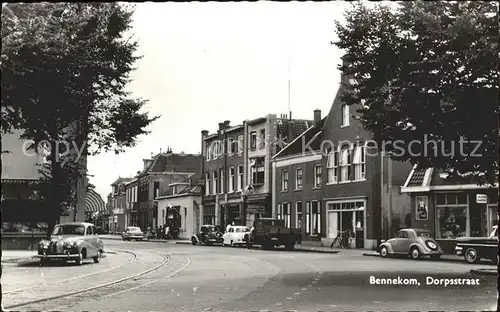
343 240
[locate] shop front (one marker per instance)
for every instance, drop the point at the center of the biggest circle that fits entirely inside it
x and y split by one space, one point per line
347 215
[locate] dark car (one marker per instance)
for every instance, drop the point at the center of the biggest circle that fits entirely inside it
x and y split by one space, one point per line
208 235
270 232
476 248
415 243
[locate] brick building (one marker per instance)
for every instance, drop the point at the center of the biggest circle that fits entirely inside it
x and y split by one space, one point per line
154 180
360 188
297 182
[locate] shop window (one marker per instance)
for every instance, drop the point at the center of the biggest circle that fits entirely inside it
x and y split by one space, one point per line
462 198
440 199
298 215
308 218
286 214
315 218
451 199
452 222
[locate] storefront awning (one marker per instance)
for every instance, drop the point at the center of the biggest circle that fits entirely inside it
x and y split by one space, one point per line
94 202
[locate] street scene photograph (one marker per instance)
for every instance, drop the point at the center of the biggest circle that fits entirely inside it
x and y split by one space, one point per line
250 156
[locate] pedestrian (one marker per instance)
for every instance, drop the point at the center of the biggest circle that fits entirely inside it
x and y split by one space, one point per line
228 227
167 231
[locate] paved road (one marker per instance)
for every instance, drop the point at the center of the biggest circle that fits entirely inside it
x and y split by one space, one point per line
199 278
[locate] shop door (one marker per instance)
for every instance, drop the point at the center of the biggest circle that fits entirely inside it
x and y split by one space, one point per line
333 224
359 228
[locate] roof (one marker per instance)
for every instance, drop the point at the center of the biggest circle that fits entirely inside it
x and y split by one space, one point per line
194 187
311 137
174 163
298 126
94 202
425 180
121 180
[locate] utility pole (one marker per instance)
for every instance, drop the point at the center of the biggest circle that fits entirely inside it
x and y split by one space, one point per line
389 185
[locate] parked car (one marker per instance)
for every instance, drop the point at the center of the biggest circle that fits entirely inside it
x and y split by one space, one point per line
132 232
74 241
415 243
235 236
208 235
269 233
476 248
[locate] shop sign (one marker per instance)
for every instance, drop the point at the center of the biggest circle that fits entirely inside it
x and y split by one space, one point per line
422 208
481 198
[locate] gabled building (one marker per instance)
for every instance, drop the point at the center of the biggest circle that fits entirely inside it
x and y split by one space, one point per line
118 217
297 179
450 208
157 174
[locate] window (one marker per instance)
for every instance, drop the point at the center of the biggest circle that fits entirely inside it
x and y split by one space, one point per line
156 189
298 215
298 179
359 163
451 218
209 215
315 218
278 211
207 183
89 231
403 234
258 171
231 180
308 218
284 181
345 164
240 177
286 214
221 178
231 147
214 183
240 144
262 137
332 167
345 115
317 176
208 151
253 140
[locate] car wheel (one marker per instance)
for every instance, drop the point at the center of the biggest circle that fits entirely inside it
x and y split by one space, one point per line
384 253
471 255
97 258
193 241
415 253
79 259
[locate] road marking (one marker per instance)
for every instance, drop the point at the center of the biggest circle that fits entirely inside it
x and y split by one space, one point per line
297 293
309 286
188 262
279 303
289 298
303 289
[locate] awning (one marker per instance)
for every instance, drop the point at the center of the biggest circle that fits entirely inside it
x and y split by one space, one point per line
94 202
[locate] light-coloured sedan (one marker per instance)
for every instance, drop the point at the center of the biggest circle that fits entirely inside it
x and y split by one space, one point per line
72 241
235 236
415 243
132 232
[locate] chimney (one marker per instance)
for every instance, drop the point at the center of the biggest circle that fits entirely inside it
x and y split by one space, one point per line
227 124
204 134
317 117
221 125
160 150
290 115
345 63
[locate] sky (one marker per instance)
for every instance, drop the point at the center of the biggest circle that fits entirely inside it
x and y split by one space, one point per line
204 63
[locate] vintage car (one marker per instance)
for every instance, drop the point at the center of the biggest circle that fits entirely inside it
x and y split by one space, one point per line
74 241
415 243
271 232
235 236
476 248
132 233
208 235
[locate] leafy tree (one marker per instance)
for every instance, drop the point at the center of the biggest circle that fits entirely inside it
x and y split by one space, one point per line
65 67
427 71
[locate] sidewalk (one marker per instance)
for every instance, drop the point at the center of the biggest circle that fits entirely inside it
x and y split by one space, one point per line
13 256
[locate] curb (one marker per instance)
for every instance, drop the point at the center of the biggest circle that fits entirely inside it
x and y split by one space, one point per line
17 260
488 272
371 254
183 243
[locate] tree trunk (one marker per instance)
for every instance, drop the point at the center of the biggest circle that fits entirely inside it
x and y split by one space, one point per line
54 198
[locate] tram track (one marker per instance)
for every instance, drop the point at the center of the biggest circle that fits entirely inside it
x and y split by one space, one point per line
165 261
134 258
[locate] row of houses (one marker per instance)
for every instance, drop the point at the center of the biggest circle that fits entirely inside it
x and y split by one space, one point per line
321 175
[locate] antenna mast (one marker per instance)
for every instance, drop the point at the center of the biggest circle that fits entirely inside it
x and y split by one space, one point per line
289 90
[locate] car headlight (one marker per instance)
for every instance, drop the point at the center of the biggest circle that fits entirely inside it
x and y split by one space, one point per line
44 243
69 244
431 245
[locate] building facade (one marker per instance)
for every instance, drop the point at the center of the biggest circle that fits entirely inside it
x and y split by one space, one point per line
181 209
153 181
118 218
237 167
450 208
131 202
297 179
224 175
